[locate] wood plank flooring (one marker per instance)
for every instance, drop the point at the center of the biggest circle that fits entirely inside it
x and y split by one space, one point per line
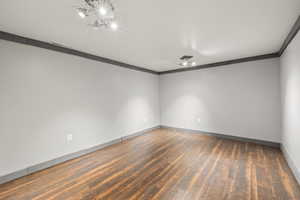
168 165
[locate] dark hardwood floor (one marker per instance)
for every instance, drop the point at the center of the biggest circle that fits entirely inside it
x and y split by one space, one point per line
165 164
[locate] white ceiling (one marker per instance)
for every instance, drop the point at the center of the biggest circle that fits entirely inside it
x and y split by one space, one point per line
154 33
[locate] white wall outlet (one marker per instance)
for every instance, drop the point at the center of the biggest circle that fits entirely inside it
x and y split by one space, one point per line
198 120
69 137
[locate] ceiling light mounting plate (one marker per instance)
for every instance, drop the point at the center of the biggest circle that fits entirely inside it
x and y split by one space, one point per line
186 61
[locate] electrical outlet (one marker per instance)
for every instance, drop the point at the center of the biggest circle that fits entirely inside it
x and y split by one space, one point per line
198 120
69 137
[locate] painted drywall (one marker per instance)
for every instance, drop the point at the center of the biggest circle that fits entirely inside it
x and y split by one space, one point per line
46 95
290 87
240 100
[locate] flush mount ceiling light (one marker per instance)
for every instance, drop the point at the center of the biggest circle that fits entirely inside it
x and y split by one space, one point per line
99 13
187 62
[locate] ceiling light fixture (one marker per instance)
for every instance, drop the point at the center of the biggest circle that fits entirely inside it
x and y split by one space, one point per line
114 26
81 12
100 13
186 61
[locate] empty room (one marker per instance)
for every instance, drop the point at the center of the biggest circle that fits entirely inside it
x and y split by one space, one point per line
149 100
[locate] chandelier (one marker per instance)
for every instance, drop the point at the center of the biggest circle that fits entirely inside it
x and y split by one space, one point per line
99 13
187 62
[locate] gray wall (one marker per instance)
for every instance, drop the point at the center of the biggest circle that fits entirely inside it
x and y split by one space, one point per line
290 84
47 95
240 100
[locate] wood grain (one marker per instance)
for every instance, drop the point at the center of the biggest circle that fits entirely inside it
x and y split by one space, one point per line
165 164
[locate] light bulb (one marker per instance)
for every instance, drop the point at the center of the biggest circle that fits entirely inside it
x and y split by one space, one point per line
114 26
81 14
184 63
193 64
102 11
